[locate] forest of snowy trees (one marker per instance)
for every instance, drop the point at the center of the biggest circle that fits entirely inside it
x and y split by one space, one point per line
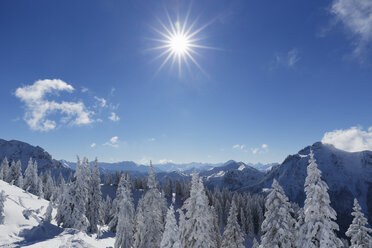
186 214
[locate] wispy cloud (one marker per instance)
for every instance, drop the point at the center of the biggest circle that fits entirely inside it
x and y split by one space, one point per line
102 101
262 149
353 139
289 59
239 147
113 142
84 89
356 16
114 117
93 145
38 108
151 139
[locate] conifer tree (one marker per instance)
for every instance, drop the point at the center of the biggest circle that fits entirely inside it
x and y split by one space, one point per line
171 236
31 180
72 209
125 225
278 226
196 225
150 216
255 243
232 236
48 213
107 209
94 203
5 170
319 227
114 211
15 172
2 201
358 230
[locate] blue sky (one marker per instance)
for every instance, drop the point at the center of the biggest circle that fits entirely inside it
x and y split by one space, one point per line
280 76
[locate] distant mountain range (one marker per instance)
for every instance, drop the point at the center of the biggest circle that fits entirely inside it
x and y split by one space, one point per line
348 175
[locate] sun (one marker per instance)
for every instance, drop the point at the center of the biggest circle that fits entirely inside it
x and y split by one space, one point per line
179 43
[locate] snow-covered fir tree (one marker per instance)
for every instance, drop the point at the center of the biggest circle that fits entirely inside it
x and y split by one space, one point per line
278 226
48 213
358 231
255 243
114 211
150 216
2 201
107 206
31 180
15 173
4 170
196 225
320 224
232 236
126 214
72 209
171 235
48 186
94 203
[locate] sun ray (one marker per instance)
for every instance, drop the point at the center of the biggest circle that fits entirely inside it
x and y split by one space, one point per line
179 41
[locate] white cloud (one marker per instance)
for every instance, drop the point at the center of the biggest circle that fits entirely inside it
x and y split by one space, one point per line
114 117
84 89
240 147
356 16
113 142
353 139
102 101
262 149
93 145
38 108
290 59
165 161
151 139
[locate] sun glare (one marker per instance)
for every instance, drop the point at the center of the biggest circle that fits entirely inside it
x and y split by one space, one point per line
179 42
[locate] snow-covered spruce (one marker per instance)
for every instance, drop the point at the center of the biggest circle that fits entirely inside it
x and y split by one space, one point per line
93 209
2 200
358 230
196 224
150 216
232 236
71 211
48 213
125 225
4 170
171 236
319 227
15 173
31 180
278 226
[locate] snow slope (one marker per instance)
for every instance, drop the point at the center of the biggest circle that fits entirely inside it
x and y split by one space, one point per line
24 226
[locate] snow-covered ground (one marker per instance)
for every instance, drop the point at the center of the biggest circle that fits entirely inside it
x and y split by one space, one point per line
24 225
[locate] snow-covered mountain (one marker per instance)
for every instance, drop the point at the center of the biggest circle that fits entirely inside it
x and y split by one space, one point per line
24 224
128 166
232 175
18 150
263 167
348 175
186 167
